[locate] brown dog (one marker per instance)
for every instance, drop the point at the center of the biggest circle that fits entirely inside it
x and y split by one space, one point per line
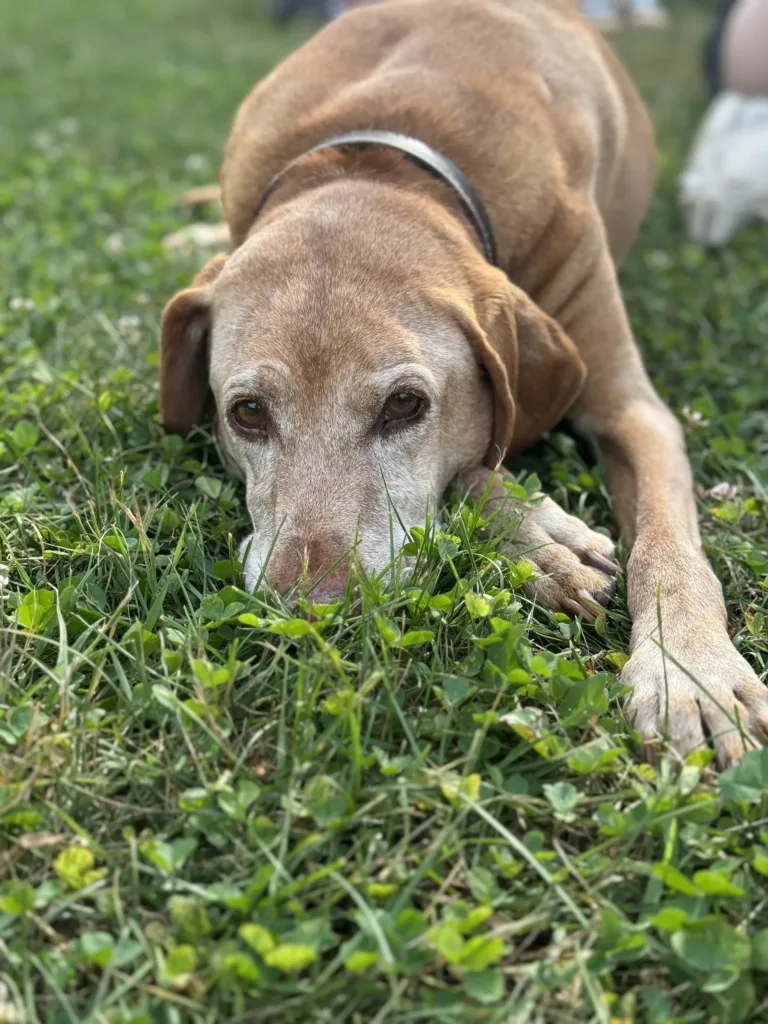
362 351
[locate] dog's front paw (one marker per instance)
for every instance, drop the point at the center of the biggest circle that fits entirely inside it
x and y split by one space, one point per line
575 566
712 693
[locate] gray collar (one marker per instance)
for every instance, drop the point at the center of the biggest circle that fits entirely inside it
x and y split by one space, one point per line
425 156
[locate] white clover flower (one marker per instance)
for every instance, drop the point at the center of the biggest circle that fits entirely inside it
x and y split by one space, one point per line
723 491
43 141
694 418
129 324
115 244
658 260
195 162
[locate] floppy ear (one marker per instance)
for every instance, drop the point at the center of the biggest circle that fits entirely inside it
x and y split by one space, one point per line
535 369
184 333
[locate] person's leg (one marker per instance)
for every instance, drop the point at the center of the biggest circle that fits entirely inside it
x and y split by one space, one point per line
744 52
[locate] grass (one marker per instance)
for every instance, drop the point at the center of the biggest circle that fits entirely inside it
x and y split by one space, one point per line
432 811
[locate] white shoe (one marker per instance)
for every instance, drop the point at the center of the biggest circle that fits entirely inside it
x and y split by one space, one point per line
725 184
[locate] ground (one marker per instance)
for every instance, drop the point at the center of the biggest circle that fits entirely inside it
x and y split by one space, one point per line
432 811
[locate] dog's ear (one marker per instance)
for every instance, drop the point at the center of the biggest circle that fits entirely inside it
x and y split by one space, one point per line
184 334
535 369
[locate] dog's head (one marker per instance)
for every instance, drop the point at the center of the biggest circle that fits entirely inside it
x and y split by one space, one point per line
360 354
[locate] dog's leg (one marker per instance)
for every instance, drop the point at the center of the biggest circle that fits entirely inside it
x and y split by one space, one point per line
575 566
203 235
203 195
687 677
200 236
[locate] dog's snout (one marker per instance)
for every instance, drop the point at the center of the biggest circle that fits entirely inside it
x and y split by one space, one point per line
330 588
319 564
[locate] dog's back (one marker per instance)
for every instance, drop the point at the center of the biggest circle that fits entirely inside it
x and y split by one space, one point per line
522 94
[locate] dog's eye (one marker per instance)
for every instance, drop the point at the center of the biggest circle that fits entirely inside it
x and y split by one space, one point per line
401 408
251 415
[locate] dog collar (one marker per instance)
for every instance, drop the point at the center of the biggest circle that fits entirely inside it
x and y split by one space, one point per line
425 156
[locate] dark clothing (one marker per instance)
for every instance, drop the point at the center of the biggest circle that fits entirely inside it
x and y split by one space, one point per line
286 10
713 46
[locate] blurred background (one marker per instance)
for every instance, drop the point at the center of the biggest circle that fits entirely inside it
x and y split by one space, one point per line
158 81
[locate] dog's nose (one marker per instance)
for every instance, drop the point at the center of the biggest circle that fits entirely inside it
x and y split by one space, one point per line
317 565
329 589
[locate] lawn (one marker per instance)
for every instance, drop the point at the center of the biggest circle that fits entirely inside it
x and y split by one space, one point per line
428 811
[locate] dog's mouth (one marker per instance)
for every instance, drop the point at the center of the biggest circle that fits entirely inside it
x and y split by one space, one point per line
341 579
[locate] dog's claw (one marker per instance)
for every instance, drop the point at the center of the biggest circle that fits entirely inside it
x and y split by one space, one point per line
579 610
591 602
599 562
